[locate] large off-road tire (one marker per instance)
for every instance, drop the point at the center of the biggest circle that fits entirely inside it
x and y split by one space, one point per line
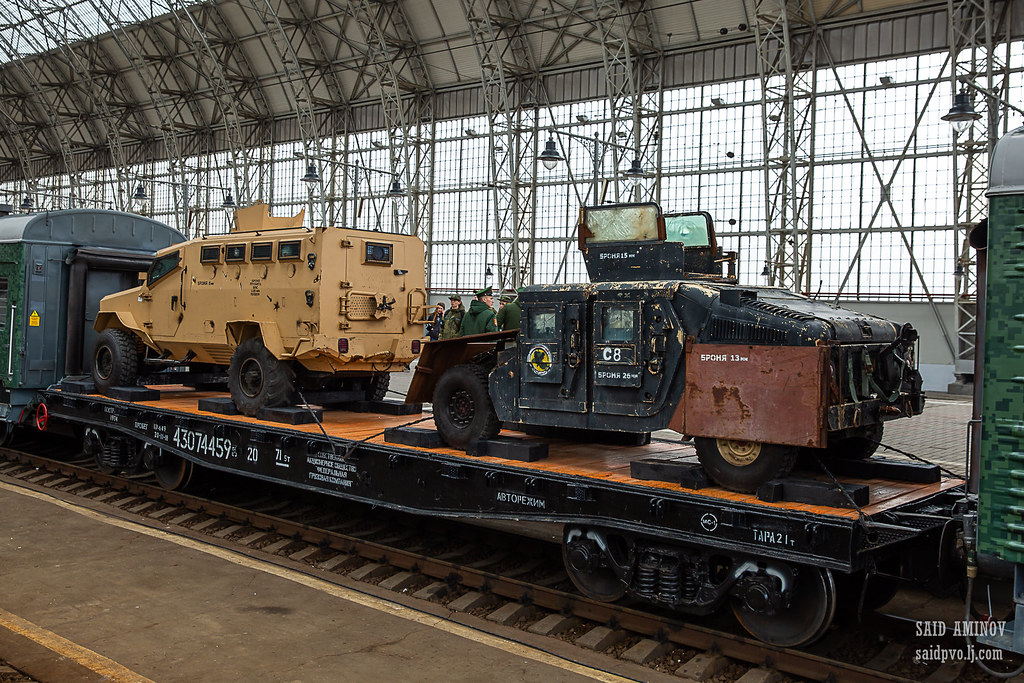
256 379
743 465
463 411
115 360
377 388
860 446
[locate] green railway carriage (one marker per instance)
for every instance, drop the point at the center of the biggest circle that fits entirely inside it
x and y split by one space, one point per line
54 269
1001 481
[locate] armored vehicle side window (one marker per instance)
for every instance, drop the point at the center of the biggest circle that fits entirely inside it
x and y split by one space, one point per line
289 251
690 229
3 303
617 324
377 252
210 253
162 266
234 253
542 324
264 251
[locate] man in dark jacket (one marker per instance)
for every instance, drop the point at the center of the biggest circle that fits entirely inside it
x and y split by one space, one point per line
453 318
480 316
510 314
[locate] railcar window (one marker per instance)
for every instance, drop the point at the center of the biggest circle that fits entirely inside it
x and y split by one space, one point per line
162 266
234 253
210 253
617 324
3 303
289 251
542 324
264 251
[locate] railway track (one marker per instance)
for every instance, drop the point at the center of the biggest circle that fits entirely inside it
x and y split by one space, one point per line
504 579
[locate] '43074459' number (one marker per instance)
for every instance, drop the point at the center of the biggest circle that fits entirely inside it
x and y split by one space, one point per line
204 444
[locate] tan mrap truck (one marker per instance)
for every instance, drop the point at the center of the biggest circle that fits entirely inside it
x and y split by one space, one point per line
330 311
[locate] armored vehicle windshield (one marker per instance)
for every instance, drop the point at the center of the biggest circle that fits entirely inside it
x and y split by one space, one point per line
633 242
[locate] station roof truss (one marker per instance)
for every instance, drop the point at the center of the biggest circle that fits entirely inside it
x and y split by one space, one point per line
87 84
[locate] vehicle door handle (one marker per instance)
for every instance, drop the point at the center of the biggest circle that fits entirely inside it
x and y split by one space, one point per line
572 356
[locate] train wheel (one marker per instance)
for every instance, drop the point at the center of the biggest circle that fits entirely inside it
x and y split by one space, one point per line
743 465
174 473
257 379
463 411
812 605
589 558
115 360
860 446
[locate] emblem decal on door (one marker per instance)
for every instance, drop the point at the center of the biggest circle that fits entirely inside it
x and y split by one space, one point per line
540 359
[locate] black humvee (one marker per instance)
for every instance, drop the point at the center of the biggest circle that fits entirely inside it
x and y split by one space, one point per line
661 338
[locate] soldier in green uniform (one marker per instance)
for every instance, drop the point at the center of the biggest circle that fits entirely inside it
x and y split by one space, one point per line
510 314
453 318
480 316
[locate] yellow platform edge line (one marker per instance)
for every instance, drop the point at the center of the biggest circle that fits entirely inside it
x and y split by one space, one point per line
347 594
93 661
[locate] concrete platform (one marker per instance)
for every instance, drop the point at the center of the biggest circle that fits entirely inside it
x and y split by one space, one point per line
87 596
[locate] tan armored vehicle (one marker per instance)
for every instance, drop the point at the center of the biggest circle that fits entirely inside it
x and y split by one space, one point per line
283 306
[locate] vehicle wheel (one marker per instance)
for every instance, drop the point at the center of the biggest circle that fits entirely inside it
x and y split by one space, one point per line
256 379
743 465
860 446
463 411
378 387
115 360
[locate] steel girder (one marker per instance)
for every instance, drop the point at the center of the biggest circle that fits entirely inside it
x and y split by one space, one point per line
294 79
391 43
786 65
43 112
975 31
512 93
85 85
145 70
632 65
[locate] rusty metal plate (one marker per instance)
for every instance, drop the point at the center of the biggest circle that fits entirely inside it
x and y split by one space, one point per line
772 394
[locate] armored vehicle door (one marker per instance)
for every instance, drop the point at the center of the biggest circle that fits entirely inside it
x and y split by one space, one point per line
552 363
635 352
165 295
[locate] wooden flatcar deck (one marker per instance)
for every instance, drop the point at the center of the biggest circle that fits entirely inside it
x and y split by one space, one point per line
588 460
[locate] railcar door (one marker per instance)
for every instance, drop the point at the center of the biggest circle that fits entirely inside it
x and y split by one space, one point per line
43 317
634 351
551 359
12 286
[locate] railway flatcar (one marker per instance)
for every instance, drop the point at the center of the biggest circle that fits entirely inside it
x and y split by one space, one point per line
640 519
55 267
